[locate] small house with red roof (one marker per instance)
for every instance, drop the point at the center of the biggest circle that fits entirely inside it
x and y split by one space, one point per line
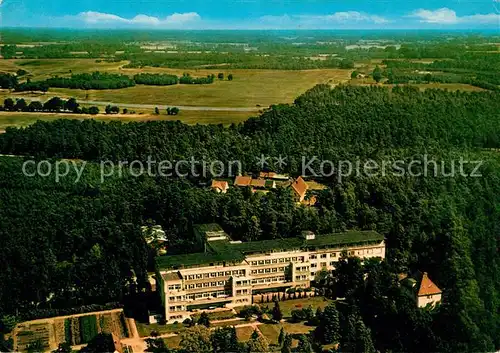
220 186
428 292
299 188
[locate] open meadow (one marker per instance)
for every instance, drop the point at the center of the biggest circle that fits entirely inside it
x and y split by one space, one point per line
250 87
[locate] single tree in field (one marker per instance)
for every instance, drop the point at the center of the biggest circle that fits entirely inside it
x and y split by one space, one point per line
93 110
204 320
354 74
71 105
157 111
8 104
277 314
125 110
281 337
220 76
377 74
21 105
230 77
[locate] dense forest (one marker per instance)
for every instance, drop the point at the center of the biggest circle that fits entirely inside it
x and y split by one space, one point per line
75 243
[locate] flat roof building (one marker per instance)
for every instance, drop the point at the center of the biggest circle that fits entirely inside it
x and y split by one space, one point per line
228 273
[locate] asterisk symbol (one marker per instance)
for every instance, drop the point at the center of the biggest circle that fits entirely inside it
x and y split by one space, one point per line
262 161
280 161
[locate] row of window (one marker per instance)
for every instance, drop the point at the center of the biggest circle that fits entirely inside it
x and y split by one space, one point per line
268 280
242 292
206 284
216 274
176 308
174 317
268 270
275 261
243 283
302 268
301 277
174 287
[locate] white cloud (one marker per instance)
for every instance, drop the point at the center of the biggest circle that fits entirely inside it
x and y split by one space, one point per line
337 19
183 17
353 16
99 18
447 16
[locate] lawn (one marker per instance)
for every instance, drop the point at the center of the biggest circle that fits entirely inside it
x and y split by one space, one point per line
189 117
172 342
244 333
287 306
272 331
146 329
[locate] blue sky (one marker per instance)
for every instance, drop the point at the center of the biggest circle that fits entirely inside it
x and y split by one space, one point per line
253 14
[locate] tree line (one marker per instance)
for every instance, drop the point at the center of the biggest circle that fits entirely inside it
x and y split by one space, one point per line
53 105
98 80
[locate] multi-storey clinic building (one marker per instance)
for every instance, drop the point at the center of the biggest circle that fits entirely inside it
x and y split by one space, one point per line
227 273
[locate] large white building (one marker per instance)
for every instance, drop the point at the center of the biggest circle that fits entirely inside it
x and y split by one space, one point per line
228 273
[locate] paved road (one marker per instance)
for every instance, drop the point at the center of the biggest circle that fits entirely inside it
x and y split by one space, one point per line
152 106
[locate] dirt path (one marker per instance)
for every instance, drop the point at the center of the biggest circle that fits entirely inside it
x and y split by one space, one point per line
152 106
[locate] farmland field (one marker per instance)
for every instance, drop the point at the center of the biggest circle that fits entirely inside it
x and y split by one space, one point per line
248 89
76 329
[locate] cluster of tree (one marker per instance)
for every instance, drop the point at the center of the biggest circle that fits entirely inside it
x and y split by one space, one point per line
112 109
187 79
8 81
447 226
234 60
167 80
95 80
156 79
53 105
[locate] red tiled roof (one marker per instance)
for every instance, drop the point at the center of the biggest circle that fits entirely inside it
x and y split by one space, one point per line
242 181
260 183
427 287
222 185
300 186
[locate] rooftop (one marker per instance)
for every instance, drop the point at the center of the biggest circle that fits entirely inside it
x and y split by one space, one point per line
300 186
427 287
224 251
242 180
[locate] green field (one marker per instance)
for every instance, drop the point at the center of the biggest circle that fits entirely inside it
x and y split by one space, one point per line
248 89
272 331
315 302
